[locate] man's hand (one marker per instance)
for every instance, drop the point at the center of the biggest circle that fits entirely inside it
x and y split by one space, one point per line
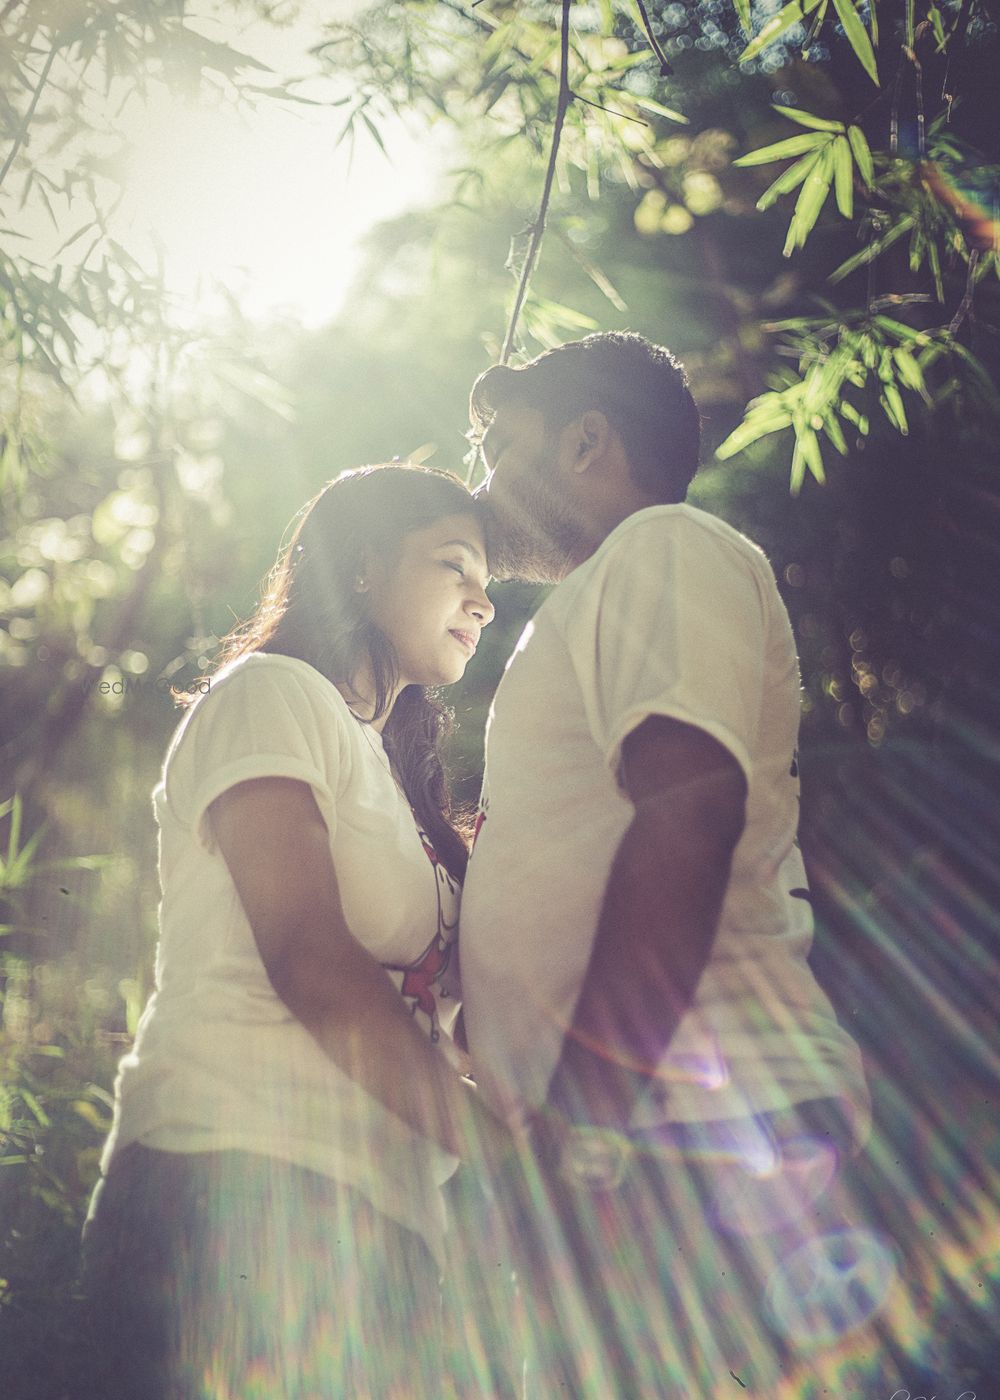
659 917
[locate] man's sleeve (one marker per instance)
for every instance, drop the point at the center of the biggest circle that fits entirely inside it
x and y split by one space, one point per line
674 623
258 722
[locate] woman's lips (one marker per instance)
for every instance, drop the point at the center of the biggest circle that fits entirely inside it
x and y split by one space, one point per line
465 639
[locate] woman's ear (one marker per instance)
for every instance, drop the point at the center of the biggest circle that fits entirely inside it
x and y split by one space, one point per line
369 572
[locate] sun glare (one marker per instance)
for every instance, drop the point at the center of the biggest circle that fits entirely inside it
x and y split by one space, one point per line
261 199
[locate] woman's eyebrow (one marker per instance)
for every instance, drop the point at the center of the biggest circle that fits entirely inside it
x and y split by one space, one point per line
465 544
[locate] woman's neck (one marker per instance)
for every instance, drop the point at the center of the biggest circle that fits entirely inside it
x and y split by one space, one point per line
358 693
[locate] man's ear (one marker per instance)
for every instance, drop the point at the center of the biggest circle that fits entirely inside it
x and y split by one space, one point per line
593 437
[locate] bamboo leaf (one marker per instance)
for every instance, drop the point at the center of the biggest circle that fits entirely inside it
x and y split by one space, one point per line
797 114
835 433
798 471
755 426
38 1112
862 155
873 250
843 169
780 150
910 374
651 105
935 262
787 180
811 453
937 26
892 402
374 133
857 36
897 328
779 24
14 836
811 200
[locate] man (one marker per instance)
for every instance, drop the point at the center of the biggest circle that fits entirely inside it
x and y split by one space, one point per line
636 921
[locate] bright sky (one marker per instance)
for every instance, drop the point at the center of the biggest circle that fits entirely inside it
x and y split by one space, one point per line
259 198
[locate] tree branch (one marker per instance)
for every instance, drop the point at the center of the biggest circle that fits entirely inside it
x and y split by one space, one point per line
538 227
23 129
654 43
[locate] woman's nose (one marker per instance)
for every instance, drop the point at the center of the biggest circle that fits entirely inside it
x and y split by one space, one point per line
482 609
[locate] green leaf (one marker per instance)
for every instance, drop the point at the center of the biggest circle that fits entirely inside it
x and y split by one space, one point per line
892 402
873 250
780 150
798 471
835 433
897 328
564 315
809 443
651 105
910 373
787 180
843 176
743 15
857 36
862 155
374 133
934 259
796 114
756 425
92 1115
776 26
38 1112
810 201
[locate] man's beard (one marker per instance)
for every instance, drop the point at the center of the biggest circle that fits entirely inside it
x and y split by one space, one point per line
533 539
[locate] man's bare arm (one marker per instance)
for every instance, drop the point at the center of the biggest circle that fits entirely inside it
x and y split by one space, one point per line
659 918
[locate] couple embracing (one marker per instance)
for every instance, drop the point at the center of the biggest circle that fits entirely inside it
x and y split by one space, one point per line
639 1192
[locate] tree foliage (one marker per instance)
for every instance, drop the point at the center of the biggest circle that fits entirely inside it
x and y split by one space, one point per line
807 215
586 86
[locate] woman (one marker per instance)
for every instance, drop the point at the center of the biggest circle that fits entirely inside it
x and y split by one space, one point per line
270 1219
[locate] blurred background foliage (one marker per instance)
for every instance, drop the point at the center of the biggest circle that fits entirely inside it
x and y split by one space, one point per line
152 454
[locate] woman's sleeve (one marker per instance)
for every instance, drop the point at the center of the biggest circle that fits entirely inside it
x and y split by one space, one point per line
260 721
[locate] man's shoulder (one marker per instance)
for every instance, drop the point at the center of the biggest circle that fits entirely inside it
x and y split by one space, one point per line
647 537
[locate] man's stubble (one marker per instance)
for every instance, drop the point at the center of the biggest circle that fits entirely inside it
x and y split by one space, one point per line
532 535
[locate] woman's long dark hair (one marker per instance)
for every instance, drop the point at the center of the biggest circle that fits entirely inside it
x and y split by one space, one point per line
311 609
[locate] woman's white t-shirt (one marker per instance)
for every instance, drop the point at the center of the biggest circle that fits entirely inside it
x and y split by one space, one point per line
219 1061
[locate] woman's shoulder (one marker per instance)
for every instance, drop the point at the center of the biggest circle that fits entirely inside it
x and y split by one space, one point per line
262 683
263 671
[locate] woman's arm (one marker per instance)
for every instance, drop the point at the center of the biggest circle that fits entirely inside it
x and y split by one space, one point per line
277 847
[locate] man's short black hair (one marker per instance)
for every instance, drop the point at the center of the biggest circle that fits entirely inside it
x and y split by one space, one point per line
640 387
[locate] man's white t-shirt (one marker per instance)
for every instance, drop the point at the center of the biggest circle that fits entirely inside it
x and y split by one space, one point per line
219 1061
676 614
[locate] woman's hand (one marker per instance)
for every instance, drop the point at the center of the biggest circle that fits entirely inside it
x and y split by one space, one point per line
277 847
